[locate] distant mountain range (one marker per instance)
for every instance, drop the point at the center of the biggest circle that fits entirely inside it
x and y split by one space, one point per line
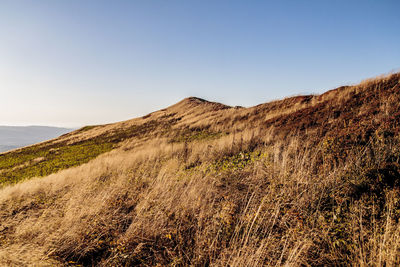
12 137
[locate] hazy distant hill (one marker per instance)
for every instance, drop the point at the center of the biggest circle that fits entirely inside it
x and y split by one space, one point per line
12 137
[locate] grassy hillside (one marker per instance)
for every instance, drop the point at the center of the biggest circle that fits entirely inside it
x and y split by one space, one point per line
308 180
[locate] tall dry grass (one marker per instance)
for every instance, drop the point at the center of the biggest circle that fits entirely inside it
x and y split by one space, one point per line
175 204
259 194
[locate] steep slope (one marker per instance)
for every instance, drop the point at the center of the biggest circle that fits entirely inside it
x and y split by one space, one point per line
307 180
80 146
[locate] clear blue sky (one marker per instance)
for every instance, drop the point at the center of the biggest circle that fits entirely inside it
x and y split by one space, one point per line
78 62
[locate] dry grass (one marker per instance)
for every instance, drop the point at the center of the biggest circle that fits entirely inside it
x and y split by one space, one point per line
254 196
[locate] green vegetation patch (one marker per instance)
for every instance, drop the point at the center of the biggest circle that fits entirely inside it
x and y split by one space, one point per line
197 135
42 161
48 158
238 161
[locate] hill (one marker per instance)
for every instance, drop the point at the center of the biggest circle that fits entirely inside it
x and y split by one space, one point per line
307 180
12 137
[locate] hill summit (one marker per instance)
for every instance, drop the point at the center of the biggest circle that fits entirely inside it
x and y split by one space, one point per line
307 180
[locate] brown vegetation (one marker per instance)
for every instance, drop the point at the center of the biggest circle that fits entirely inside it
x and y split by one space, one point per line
308 180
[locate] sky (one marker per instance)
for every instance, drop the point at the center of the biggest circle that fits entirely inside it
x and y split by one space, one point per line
81 62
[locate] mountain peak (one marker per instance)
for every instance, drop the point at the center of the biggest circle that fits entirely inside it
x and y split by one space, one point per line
195 100
192 102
